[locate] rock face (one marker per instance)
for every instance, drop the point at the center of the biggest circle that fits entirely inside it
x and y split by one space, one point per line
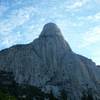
6 78
49 63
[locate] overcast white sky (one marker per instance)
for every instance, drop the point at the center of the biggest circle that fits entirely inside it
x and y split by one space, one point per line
21 21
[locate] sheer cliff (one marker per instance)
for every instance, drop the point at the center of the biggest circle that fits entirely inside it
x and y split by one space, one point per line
49 63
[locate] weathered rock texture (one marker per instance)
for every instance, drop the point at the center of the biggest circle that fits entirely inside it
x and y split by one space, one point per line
49 63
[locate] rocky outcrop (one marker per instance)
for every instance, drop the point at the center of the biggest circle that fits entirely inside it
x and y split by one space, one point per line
49 63
6 78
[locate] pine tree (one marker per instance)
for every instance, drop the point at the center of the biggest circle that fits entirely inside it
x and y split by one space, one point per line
63 95
51 96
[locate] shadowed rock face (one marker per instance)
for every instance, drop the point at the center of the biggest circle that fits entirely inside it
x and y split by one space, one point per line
48 62
51 29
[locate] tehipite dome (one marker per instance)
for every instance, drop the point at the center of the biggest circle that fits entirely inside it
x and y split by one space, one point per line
50 29
49 63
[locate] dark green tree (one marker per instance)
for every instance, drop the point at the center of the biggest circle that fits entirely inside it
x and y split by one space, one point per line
51 96
63 95
87 96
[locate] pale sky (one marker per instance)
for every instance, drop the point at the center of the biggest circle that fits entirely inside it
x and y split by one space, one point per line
21 21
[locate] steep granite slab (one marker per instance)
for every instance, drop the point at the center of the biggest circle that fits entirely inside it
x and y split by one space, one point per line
49 63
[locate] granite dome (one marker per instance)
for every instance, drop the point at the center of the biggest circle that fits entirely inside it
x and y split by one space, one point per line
49 63
50 29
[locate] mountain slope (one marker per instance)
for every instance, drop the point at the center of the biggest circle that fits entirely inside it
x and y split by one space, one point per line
49 63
